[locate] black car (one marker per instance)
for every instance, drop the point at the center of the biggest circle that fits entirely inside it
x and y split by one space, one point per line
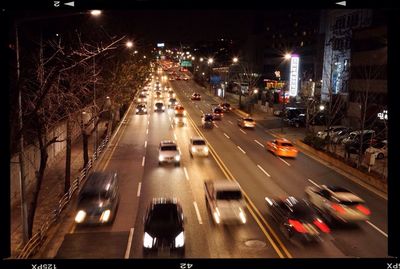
226 107
299 121
163 227
141 109
218 113
296 218
207 120
172 102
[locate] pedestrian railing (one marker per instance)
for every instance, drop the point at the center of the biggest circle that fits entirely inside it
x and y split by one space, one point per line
36 241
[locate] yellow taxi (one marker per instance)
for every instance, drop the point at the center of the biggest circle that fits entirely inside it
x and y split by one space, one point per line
282 147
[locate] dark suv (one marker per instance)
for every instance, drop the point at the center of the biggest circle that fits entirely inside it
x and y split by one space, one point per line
163 227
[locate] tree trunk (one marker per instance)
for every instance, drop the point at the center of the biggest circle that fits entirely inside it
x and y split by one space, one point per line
37 185
67 182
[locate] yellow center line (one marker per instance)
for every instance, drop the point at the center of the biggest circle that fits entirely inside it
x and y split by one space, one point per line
251 207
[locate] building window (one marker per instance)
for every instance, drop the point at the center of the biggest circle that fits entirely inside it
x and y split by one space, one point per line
304 33
302 44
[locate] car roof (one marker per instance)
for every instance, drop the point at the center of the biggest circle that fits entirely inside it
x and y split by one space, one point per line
283 140
98 181
226 184
167 142
164 200
197 138
343 194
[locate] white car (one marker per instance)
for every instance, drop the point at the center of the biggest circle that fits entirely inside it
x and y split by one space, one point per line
379 149
198 147
337 203
246 122
168 152
333 130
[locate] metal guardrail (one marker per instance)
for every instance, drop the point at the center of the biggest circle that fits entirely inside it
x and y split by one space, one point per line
36 241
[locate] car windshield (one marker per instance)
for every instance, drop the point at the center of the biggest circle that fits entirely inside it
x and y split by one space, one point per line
302 211
208 118
179 116
285 144
140 106
159 104
163 215
229 195
199 142
168 148
249 120
91 196
172 100
217 110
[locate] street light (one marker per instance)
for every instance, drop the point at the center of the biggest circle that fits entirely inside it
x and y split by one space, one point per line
210 62
129 44
235 60
95 12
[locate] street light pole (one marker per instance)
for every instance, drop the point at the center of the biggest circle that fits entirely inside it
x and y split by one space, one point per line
95 107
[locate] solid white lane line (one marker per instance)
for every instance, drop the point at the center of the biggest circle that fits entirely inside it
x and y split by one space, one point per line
143 160
216 125
227 136
147 131
244 152
376 228
284 161
312 182
148 122
197 212
202 112
175 136
186 173
262 169
259 143
242 131
129 244
138 189
230 122
145 144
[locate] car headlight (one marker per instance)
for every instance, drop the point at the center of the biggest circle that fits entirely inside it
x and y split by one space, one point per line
160 158
105 216
163 107
80 216
216 216
206 149
137 110
180 240
144 110
147 241
193 149
177 158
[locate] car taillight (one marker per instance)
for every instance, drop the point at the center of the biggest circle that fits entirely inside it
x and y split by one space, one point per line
363 209
322 226
297 226
338 208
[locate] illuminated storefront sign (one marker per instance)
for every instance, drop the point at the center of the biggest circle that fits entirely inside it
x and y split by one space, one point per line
294 75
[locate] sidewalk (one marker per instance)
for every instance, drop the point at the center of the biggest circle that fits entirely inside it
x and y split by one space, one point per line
273 125
52 189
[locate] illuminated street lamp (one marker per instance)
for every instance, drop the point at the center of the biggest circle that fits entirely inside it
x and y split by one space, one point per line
129 44
235 60
321 107
201 59
95 12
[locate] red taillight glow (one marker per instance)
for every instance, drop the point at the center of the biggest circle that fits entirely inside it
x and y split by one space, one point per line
363 210
297 226
322 226
338 208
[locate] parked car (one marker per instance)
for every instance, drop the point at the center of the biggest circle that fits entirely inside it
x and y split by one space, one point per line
299 121
332 131
226 107
164 227
379 149
338 204
339 136
246 122
318 119
353 136
281 147
296 218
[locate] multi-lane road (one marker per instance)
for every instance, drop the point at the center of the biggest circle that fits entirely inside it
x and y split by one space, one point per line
237 154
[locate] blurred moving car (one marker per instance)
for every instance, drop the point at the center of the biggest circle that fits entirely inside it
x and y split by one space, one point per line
379 149
180 119
198 147
179 109
337 203
164 227
171 94
141 109
142 98
226 107
168 152
159 106
98 199
158 95
207 121
246 122
172 102
282 147
296 218
195 96
217 113
225 201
